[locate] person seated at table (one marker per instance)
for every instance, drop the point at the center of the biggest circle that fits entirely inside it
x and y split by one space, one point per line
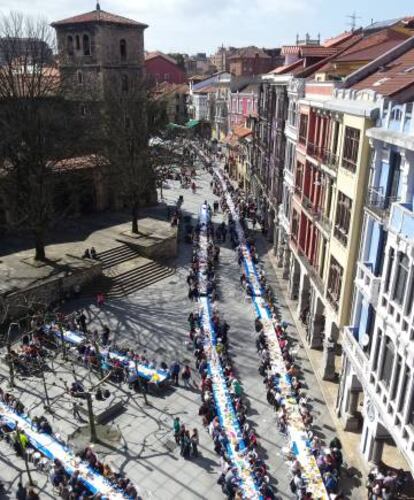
57 475
77 389
330 481
89 456
44 426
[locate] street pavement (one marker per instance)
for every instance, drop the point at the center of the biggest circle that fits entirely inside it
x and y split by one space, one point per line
155 319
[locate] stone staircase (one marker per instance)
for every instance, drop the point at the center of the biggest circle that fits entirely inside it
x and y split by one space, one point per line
117 255
125 272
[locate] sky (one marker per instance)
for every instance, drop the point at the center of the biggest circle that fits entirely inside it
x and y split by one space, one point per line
202 25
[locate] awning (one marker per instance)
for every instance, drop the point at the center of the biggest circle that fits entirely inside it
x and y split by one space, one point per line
173 126
192 123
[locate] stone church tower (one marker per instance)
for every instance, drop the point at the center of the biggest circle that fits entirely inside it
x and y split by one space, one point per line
100 54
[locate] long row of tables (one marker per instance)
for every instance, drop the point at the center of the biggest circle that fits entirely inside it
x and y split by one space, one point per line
76 338
236 448
51 448
298 436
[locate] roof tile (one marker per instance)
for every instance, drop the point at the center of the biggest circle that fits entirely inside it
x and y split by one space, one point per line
99 16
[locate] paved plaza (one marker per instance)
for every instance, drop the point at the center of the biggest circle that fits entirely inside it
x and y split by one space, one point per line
155 319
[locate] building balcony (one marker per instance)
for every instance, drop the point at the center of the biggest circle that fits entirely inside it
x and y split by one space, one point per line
330 159
402 220
354 352
378 203
367 282
341 234
333 299
312 270
314 150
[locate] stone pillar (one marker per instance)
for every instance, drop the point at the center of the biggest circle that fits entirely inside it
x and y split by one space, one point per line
294 279
280 247
278 238
300 293
329 351
286 262
371 446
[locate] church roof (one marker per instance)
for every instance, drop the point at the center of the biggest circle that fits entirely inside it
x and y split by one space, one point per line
99 16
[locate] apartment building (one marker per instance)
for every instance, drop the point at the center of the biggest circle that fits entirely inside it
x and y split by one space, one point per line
376 394
330 176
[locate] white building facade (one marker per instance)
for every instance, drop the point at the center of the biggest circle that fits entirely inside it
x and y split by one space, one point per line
377 385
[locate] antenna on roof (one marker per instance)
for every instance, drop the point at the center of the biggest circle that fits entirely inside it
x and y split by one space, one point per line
353 20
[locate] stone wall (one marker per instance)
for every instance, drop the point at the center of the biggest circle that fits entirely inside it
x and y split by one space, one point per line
50 290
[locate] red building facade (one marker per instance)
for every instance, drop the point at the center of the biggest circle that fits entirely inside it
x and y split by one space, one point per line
163 68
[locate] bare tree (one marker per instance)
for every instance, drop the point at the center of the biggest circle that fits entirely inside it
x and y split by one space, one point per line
131 117
38 128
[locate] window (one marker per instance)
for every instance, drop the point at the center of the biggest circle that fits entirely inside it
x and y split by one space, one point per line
343 218
404 387
303 128
334 282
86 46
70 45
166 77
396 378
299 178
77 42
351 148
124 83
401 278
123 50
387 363
410 299
389 270
295 225
80 77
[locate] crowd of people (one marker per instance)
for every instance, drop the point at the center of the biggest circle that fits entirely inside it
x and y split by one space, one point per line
385 485
329 463
201 280
69 486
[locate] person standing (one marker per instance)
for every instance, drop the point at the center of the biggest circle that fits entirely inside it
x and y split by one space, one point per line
175 372
82 321
176 429
194 443
186 376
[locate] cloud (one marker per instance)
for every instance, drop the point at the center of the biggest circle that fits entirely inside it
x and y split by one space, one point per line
191 25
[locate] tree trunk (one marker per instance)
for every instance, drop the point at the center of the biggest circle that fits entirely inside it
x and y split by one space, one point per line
135 218
91 417
40 253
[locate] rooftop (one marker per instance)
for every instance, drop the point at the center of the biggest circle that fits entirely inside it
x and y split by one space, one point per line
391 78
99 16
249 52
157 53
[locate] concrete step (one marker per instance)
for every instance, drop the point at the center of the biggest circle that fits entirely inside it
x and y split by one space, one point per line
129 281
114 256
137 279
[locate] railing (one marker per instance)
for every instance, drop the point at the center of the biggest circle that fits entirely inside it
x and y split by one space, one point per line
333 298
402 220
354 350
349 165
330 159
313 150
378 202
324 221
313 270
368 282
341 234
